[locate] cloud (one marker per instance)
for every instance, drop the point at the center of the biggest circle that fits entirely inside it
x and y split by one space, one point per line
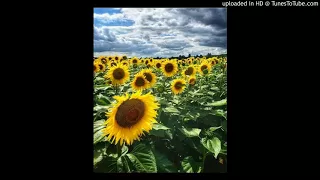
161 32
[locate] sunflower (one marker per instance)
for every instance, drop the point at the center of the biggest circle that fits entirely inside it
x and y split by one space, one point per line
134 61
118 74
96 67
150 77
102 67
112 64
146 62
204 65
117 58
158 64
109 58
139 82
125 63
141 61
189 71
192 80
178 86
130 117
169 68
103 60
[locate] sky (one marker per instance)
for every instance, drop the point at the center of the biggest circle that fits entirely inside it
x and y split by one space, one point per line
160 32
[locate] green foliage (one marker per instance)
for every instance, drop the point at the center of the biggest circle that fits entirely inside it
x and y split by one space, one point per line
191 129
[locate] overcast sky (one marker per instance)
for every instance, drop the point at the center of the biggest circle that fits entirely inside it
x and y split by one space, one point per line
160 32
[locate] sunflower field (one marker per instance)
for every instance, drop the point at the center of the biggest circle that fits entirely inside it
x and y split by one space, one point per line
160 115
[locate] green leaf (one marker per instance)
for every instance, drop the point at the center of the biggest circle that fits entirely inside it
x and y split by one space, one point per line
175 101
143 159
98 153
159 133
214 88
218 103
211 93
100 108
190 132
98 136
107 165
214 128
120 166
190 166
171 110
128 166
219 112
213 145
168 134
98 125
163 163
124 150
158 126
192 116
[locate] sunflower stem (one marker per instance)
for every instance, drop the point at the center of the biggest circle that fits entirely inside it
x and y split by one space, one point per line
116 89
119 147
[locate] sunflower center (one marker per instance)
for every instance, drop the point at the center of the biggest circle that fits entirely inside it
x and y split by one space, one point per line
148 76
204 67
116 58
168 67
110 58
158 65
100 66
130 112
139 81
113 64
178 85
183 64
118 73
141 60
189 71
134 61
147 62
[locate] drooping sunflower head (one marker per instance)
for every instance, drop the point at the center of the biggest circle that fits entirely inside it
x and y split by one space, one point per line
125 63
139 82
169 68
102 67
205 65
150 77
103 59
178 85
118 74
112 63
192 80
130 117
189 71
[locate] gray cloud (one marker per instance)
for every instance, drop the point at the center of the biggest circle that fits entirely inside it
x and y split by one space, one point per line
164 32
